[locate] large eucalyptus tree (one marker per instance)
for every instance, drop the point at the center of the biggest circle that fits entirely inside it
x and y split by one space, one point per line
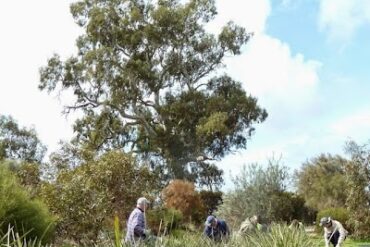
145 77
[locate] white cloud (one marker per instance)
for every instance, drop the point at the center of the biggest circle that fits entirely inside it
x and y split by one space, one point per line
355 126
272 73
251 14
290 3
232 164
342 18
267 67
254 155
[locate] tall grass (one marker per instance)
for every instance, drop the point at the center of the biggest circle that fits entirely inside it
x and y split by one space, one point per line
117 232
278 236
13 239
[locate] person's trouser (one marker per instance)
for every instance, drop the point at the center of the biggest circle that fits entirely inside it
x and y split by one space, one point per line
334 238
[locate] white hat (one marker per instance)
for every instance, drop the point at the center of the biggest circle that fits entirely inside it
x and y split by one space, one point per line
143 201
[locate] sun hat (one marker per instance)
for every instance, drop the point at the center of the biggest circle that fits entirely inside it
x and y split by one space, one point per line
210 220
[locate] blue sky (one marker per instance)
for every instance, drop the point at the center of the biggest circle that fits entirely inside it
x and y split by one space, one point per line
307 64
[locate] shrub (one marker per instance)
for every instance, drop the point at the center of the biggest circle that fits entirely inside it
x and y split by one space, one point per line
86 198
164 220
181 195
339 214
17 210
211 200
258 190
30 218
358 180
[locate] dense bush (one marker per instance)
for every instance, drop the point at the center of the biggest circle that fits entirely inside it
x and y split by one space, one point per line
28 175
358 189
163 221
258 190
301 211
314 174
87 198
211 200
339 214
17 210
181 195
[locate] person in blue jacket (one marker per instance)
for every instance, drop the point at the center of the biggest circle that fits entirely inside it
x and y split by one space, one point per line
216 229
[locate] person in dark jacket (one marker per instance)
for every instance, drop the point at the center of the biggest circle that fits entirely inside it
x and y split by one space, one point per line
216 229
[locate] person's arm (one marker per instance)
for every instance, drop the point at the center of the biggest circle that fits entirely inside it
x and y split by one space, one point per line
208 231
224 228
227 230
139 229
326 237
244 227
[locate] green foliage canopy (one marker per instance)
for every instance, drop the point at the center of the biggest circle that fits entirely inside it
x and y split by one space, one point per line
358 189
211 200
145 79
322 182
19 143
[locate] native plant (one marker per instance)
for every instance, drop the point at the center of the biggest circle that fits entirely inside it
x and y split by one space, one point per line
181 195
163 221
257 190
358 189
19 212
321 180
88 197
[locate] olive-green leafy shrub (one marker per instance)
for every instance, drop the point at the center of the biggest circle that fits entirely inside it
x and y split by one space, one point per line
163 221
87 198
20 212
211 200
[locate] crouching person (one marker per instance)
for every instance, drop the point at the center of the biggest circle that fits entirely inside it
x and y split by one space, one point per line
250 226
136 225
296 225
334 232
216 229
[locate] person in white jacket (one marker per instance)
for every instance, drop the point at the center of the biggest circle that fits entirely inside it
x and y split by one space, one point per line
136 224
334 232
